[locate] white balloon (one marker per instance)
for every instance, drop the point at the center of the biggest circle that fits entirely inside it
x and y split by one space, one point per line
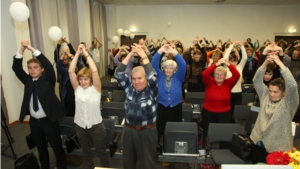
55 33
127 33
131 36
19 11
115 39
120 32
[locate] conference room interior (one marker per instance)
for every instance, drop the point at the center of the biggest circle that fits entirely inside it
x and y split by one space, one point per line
82 20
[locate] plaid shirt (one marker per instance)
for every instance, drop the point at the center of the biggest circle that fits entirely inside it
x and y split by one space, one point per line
140 107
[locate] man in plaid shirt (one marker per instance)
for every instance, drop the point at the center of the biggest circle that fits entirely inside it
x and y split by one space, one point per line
139 132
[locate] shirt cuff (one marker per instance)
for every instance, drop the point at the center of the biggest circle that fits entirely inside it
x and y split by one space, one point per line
18 56
36 53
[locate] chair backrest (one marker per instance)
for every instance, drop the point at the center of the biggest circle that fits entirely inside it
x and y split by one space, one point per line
297 133
113 111
118 96
247 98
109 86
113 104
104 95
242 112
67 126
110 130
195 98
187 112
181 132
222 131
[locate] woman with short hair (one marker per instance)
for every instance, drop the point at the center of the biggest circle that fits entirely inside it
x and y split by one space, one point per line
89 127
278 104
170 81
216 107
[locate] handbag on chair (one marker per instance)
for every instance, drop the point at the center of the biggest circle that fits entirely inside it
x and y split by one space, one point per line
241 146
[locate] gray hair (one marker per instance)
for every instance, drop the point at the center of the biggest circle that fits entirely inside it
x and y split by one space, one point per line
138 68
170 63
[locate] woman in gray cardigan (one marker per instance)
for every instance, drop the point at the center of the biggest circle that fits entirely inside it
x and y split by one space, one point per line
279 101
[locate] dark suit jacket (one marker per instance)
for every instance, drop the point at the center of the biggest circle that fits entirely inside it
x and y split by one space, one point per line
45 90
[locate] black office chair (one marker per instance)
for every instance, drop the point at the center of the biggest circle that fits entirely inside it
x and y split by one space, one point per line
67 130
113 104
218 132
181 134
109 86
110 130
187 112
112 113
118 96
247 98
195 98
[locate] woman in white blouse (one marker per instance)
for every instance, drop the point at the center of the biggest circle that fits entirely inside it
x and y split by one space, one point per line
89 127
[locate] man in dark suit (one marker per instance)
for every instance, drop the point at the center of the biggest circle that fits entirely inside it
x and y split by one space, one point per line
41 103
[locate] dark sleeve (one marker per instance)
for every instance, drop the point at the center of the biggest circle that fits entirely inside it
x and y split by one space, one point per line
19 71
121 68
203 57
48 69
56 52
72 51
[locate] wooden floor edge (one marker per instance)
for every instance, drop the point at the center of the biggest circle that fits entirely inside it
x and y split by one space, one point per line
17 121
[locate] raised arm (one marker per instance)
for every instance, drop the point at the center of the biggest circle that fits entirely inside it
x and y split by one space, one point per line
260 87
17 64
72 67
244 58
95 74
48 68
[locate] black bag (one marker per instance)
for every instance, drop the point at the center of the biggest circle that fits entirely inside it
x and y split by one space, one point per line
241 146
113 145
27 161
72 143
30 141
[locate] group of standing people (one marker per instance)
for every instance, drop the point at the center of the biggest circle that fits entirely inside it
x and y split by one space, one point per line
45 110
153 90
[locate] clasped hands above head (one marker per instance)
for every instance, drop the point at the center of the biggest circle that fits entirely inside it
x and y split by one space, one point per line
82 50
168 48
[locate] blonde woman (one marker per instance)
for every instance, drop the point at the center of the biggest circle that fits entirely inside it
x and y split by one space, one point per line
89 127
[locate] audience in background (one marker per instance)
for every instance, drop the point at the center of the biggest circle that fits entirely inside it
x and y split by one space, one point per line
194 71
250 67
233 57
89 127
95 51
67 96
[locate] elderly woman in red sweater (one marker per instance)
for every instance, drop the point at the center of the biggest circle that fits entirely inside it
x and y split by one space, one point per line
216 107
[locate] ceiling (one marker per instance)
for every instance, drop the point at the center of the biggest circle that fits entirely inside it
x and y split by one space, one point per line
185 2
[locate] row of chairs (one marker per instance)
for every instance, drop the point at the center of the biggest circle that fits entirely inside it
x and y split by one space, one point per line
198 98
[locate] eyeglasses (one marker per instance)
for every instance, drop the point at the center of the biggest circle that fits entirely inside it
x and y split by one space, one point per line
219 75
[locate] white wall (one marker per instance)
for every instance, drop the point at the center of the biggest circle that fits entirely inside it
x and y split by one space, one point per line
211 21
11 35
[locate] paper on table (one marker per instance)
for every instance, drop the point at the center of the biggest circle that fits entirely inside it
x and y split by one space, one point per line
293 128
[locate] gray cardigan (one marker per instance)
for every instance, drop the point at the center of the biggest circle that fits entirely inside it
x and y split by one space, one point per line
275 129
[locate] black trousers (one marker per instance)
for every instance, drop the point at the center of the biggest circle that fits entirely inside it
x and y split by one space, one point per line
167 114
42 131
259 155
212 117
235 99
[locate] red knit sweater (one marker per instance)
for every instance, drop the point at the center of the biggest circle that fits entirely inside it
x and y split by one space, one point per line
217 98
